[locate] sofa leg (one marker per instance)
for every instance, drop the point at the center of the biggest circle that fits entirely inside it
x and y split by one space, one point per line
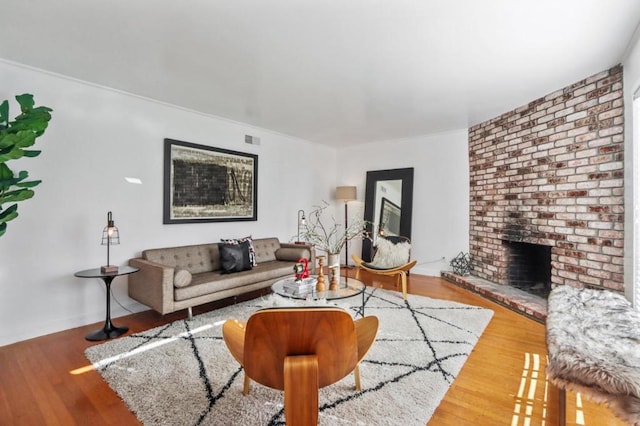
189 313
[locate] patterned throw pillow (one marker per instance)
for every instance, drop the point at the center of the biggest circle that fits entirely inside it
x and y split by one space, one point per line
252 250
389 255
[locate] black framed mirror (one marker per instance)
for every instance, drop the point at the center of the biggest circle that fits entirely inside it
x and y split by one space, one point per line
388 205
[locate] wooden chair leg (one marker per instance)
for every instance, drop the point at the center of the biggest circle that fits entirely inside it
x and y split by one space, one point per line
356 375
245 389
301 390
403 278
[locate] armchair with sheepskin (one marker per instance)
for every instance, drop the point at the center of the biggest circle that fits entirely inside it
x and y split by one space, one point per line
392 257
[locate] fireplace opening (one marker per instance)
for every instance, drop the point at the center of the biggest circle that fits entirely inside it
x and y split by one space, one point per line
529 267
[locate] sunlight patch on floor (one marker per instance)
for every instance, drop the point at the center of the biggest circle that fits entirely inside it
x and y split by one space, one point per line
579 412
99 364
526 396
525 399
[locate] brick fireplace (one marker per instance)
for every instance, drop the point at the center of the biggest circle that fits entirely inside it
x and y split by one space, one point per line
551 173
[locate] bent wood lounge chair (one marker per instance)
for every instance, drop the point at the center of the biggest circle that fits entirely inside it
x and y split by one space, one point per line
400 271
300 350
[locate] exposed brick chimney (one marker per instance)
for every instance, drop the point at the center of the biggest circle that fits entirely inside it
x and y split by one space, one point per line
551 173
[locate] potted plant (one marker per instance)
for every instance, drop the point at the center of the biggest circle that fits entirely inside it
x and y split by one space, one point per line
330 238
15 137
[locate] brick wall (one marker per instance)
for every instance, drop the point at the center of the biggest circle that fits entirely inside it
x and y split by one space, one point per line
551 173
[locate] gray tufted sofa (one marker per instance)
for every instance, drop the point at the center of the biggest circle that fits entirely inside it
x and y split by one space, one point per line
159 286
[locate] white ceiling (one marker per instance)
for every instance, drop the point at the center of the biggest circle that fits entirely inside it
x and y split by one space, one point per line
337 72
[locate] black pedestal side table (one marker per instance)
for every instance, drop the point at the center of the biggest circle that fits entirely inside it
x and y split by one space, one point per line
109 331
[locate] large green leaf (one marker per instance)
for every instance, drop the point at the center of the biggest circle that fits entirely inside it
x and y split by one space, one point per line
9 214
12 207
26 101
3 229
8 140
25 138
18 195
13 155
5 184
41 113
36 124
4 113
8 218
29 184
5 172
31 153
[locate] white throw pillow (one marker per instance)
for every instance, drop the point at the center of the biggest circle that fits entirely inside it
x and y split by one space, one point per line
389 255
182 278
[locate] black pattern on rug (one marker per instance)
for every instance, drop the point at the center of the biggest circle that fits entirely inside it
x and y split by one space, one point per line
183 374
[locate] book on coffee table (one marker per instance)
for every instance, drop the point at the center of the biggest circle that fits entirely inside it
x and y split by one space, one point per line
297 288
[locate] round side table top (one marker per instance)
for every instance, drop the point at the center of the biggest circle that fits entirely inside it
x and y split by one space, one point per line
97 273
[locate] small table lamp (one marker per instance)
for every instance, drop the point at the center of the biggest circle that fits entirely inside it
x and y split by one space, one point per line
110 236
346 194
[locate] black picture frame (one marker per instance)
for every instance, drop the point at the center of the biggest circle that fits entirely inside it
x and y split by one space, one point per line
207 184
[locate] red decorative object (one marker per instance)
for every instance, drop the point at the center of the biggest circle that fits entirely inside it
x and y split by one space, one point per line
302 268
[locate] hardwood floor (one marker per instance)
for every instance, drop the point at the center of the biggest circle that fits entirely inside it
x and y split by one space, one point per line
502 382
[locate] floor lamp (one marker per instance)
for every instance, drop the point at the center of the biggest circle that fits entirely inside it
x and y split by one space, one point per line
346 194
301 221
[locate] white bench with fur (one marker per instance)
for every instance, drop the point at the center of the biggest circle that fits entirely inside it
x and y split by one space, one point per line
593 342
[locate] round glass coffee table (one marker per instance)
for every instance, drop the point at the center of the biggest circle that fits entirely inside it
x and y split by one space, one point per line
347 287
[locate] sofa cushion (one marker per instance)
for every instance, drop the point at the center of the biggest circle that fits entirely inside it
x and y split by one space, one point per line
234 257
266 249
195 258
210 282
292 254
182 278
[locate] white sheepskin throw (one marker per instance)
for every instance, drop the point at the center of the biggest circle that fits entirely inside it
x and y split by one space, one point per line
593 341
389 255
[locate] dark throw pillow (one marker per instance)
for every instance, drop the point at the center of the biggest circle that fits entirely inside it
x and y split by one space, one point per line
252 250
234 257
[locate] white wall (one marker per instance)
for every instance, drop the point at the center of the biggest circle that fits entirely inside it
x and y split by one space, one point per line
440 225
631 75
96 138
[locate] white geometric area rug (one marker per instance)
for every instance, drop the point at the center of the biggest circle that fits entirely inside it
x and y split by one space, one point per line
183 374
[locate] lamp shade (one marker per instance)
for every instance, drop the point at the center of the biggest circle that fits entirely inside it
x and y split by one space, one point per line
110 233
346 193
